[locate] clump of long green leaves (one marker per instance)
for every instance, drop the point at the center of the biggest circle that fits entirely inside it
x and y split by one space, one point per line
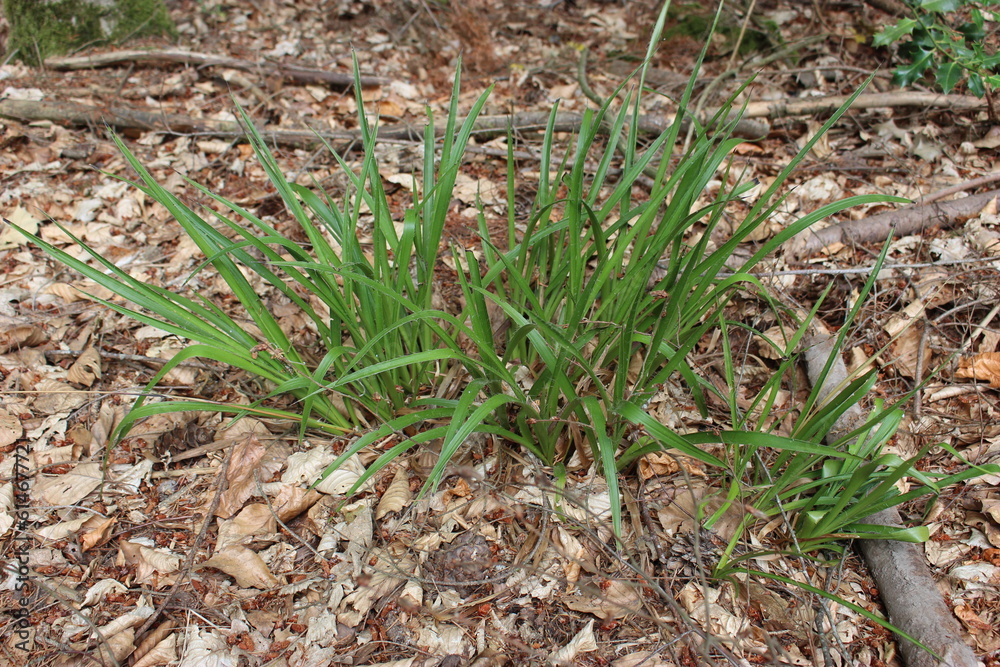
600 296
826 490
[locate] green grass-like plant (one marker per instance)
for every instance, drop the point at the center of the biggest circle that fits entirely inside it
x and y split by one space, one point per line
566 332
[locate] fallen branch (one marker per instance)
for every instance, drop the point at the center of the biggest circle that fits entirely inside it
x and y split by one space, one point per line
128 118
297 73
901 222
988 179
814 105
904 581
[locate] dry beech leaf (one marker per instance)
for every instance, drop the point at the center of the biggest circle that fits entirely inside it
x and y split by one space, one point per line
96 531
10 428
18 337
86 368
101 590
583 642
152 561
70 488
985 366
164 653
243 565
618 600
254 519
54 396
10 237
243 476
971 620
397 496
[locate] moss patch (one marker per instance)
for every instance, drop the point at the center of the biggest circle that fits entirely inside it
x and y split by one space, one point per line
43 28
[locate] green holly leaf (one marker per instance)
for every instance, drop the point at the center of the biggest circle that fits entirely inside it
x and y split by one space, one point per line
940 6
908 74
948 75
976 86
893 33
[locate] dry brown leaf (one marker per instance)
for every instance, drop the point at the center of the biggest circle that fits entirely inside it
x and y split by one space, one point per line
86 368
906 351
243 565
583 642
70 488
10 429
971 620
150 562
985 366
100 590
10 237
164 652
243 476
55 396
291 501
255 519
55 456
396 496
96 532
617 599
23 336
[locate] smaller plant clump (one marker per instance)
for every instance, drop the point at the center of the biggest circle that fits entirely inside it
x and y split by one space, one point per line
946 39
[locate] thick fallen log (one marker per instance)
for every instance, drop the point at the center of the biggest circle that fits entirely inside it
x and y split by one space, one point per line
905 584
296 73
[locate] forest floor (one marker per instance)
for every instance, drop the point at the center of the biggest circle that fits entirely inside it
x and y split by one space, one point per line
369 585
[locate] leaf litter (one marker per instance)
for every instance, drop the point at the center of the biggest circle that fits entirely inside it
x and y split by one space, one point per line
497 565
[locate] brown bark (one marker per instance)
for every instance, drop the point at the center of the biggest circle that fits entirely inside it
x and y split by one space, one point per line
904 581
898 98
296 73
901 222
123 117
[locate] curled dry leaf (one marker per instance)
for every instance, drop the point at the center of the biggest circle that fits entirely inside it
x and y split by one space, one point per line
101 590
397 496
97 530
985 366
583 642
243 476
18 337
86 368
163 651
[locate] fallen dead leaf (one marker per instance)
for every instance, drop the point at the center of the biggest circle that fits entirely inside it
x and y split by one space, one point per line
10 428
86 368
70 488
985 366
10 237
23 336
243 565
396 496
583 642
97 530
